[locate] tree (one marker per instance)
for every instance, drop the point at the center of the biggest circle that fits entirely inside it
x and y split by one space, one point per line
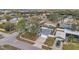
18 14
73 27
7 17
58 25
21 25
71 38
9 26
35 19
55 17
33 25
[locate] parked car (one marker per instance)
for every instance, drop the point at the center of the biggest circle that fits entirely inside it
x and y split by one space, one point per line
58 43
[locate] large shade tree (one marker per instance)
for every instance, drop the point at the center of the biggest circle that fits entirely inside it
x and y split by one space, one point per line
33 25
55 17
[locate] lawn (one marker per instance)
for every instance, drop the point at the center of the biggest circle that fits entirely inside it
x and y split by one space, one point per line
30 36
27 40
7 27
71 46
49 43
9 47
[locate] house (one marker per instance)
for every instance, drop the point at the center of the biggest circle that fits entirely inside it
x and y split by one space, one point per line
43 16
70 32
3 21
62 34
68 19
13 20
67 22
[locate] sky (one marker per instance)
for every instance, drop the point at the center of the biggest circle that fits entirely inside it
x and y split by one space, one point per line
39 4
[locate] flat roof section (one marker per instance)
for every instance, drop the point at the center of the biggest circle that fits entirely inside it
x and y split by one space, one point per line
60 34
71 32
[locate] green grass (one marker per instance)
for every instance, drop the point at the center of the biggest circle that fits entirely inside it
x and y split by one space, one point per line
49 41
18 38
71 46
9 47
30 36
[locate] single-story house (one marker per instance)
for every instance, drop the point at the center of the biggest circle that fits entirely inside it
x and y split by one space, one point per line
14 20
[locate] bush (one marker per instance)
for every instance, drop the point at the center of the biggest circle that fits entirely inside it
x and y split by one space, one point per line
9 26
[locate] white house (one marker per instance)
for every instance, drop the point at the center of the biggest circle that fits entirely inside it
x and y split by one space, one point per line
3 21
61 33
14 20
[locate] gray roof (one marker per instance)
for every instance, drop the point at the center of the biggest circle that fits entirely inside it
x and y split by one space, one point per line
14 20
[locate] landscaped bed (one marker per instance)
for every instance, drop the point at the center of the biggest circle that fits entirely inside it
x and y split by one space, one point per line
71 46
18 37
48 43
9 47
30 36
7 27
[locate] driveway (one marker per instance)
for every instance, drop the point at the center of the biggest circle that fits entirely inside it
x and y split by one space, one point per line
39 42
55 47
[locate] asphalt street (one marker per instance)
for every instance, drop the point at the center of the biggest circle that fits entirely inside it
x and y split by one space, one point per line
11 40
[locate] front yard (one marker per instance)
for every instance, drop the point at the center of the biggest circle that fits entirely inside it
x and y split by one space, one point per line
7 27
72 43
30 36
71 46
48 43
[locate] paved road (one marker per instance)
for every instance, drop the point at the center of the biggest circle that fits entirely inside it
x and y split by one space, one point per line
11 39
